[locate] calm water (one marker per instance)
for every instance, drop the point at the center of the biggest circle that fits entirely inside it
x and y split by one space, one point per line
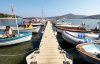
92 23
71 49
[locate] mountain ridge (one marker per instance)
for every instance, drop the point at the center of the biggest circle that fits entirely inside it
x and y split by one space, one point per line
73 16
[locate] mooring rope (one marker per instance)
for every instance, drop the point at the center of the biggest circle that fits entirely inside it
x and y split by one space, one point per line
65 49
19 54
70 49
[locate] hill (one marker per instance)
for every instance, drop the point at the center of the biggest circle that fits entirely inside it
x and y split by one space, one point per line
92 17
68 16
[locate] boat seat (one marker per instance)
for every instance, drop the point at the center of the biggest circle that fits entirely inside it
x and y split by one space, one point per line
4 36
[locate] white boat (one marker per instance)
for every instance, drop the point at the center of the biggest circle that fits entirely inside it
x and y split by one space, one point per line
63 26
79 37
35 29
42 23
60 29
37 24
90 52
67 24
22 37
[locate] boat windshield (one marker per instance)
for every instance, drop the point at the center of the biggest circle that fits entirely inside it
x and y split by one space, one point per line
12 22
8 22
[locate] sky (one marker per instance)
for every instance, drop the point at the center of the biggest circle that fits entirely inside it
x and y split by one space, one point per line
33 8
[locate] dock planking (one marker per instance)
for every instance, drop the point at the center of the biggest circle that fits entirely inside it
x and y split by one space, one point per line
48 52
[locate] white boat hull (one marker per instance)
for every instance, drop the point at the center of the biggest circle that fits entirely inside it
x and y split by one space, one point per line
74 40
66 24
59 30
16 41
71 39
34 29
37 24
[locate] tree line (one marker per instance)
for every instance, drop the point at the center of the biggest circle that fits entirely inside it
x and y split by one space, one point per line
2 15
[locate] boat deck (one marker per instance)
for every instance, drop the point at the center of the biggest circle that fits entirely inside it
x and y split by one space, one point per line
49 52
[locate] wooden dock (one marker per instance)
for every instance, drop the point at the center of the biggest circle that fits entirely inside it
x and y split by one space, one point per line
49 51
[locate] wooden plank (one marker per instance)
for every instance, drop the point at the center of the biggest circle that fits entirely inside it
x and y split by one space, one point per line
49 52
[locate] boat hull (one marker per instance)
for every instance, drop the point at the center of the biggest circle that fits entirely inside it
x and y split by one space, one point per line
16 41
79 37
59 30
34 29
89 59
71 39
87 55
74 29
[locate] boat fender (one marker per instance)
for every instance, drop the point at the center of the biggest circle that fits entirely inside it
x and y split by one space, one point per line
98 55
35 62
66 62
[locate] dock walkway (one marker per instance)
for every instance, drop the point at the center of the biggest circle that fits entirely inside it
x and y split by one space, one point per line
48 52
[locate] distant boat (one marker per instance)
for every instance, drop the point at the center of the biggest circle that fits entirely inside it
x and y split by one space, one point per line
79 37
90 52
64 24
39 21
38 24
60 27
35 29
20 28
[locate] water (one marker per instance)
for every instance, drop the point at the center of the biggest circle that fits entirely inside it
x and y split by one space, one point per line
21 48
71 49
91 23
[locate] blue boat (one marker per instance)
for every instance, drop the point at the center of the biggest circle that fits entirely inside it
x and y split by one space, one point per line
22 37
13 23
